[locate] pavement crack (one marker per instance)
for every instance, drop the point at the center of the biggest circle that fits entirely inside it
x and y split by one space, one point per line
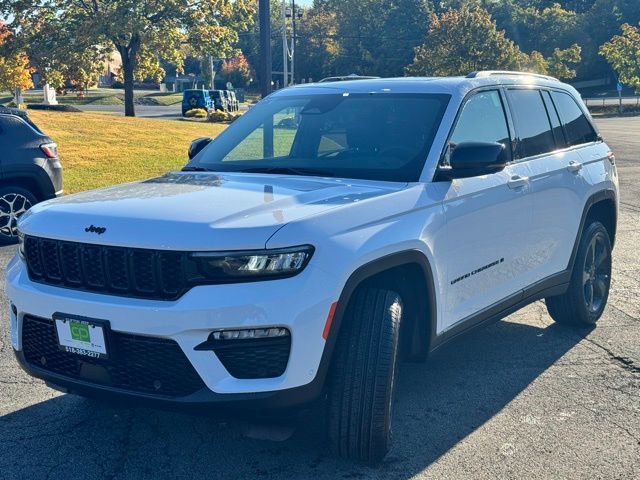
612 422
622 361
631 206
618 309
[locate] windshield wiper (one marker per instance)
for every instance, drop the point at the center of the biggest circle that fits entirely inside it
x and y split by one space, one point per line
196 169
288 171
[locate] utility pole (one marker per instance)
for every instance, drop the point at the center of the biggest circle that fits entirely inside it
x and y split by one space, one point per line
293 40
285 47
265 46
211 71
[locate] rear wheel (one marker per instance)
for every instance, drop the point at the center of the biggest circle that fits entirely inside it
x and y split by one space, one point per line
14 202
363 374
588 291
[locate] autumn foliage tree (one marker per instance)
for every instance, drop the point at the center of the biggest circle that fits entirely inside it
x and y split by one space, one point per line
318 47
14 66
463 40
623 53
236 70
142 32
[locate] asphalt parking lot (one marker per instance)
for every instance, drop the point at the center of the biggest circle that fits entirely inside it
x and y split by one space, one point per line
523 398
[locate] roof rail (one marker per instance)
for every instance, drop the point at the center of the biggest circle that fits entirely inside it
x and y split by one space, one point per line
489 73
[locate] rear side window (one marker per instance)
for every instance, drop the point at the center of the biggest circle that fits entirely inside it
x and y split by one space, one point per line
577 127
558 134
482 120
532 123
15 129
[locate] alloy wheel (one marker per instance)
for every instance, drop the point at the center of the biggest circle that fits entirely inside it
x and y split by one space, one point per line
596 275
12 207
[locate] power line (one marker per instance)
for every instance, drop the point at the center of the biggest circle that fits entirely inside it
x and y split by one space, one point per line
339 36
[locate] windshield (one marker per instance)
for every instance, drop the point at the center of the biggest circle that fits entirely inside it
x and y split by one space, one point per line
377 136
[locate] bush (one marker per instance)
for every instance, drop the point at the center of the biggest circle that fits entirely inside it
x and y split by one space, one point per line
196 113
53 108
12 104
220 117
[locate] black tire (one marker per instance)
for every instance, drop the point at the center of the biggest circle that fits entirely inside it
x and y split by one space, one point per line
14 202
362 380
586 297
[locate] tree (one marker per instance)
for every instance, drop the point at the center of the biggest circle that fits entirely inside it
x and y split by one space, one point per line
15 73
237 71
318 47
464 40
14 66
142 32
623 53
479 45
560 63
541 28
375 37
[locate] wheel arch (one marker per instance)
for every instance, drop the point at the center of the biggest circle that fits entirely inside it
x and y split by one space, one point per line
36 185
410 274
601 206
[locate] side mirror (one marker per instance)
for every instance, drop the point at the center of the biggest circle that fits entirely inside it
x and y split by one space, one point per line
471 159
197 145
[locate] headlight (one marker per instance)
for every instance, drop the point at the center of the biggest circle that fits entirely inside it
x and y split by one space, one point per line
252 265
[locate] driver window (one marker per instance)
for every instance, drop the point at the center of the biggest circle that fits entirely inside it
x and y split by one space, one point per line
482 120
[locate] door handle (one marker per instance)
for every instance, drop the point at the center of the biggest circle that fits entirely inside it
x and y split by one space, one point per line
574 166
517 181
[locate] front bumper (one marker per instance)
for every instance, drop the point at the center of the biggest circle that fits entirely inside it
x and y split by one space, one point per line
299 303
202 400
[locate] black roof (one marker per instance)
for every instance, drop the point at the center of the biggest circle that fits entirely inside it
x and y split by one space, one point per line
22 114
13 111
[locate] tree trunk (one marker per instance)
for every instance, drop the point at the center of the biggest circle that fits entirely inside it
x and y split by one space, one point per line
129 53
127 70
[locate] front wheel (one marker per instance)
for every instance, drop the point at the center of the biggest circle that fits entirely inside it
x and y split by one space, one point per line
588 291
363 374
14 202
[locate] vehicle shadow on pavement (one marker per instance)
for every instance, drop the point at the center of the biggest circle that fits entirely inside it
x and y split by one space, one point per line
438 404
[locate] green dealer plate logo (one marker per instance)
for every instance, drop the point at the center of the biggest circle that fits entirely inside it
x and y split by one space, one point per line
80 332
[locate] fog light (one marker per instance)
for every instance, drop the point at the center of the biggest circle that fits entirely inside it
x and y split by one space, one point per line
238 337
249 334
251 352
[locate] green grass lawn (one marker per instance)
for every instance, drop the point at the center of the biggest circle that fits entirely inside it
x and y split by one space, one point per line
95 98
101 96
165 98
99 150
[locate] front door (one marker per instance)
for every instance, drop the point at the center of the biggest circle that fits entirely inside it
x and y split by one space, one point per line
487 217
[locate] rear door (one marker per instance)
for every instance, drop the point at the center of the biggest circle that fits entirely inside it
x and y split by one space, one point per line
488 219
559 182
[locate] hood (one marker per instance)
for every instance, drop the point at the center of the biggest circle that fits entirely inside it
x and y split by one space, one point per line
195 211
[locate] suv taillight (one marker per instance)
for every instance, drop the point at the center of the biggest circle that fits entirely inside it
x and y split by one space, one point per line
50 150
611 157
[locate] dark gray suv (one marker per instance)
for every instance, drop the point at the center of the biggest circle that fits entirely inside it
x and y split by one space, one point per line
30 170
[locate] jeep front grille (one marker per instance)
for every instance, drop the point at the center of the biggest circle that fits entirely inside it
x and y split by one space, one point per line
131 272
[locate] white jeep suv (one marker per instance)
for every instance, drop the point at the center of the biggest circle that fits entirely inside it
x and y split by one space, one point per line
330 231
